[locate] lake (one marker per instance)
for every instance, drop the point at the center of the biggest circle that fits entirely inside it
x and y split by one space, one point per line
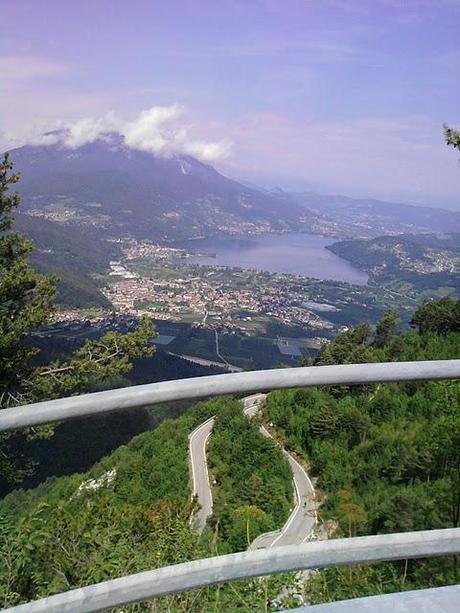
298 254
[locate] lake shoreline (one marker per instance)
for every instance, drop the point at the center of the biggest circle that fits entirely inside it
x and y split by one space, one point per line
299 253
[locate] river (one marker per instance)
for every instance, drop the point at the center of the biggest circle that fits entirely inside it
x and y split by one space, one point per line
299 254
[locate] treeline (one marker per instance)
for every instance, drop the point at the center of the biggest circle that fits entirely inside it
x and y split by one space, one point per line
253 481
387 457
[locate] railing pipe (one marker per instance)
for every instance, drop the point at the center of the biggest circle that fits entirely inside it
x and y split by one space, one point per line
217 385
209 571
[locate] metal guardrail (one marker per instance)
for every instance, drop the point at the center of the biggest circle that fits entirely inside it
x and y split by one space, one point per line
209 571
431 600
200 573
215 385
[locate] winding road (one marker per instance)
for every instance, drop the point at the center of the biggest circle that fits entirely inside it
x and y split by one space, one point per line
301 521
201 487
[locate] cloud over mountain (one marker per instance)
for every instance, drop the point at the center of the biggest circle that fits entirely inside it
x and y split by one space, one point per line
161 130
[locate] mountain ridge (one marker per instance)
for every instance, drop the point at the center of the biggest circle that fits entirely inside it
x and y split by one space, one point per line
125 191
370 217
148 196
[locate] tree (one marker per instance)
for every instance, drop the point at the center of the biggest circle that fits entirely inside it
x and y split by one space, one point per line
441 316
350 511
385 327
26 298
452 137
27 301
252 518
349 347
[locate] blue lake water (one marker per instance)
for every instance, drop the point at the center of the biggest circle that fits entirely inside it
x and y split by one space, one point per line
299 254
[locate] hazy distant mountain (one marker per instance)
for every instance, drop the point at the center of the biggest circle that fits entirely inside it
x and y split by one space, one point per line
370 218
121 190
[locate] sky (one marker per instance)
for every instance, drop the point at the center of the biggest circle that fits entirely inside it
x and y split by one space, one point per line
337 96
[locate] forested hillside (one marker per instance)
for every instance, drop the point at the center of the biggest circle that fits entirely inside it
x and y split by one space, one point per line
387 457
421 263
75 255
131 512
75 446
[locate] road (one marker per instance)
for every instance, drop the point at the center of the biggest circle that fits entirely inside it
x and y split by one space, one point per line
201 487
230 367
203 362
303 516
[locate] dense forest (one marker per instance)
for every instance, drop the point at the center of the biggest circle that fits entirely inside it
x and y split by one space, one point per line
386 457
131 512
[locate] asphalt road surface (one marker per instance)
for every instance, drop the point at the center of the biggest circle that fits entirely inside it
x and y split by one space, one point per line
302 518
200 476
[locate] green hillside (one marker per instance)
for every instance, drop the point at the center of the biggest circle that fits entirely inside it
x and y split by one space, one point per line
385 459
131 512
75 256
426 264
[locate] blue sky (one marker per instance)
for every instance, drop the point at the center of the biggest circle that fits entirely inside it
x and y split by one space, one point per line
337 95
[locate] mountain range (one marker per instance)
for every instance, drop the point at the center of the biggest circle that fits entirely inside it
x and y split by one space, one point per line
76 201
123 191
368 217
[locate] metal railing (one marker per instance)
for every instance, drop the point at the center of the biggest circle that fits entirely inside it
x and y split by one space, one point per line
205 572
209 571
218 385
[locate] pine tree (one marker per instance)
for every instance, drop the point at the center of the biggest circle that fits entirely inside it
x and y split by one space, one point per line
452 137
26 298
27 301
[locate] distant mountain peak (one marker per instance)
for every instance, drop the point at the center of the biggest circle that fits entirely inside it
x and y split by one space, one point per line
168 197
122 190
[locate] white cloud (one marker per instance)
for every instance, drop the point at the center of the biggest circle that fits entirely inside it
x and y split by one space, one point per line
88 130
156 129
159 129
208 151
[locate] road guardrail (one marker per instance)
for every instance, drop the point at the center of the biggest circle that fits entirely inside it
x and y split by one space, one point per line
217 385
209 571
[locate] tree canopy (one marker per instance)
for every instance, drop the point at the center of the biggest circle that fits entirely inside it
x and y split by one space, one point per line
387 456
